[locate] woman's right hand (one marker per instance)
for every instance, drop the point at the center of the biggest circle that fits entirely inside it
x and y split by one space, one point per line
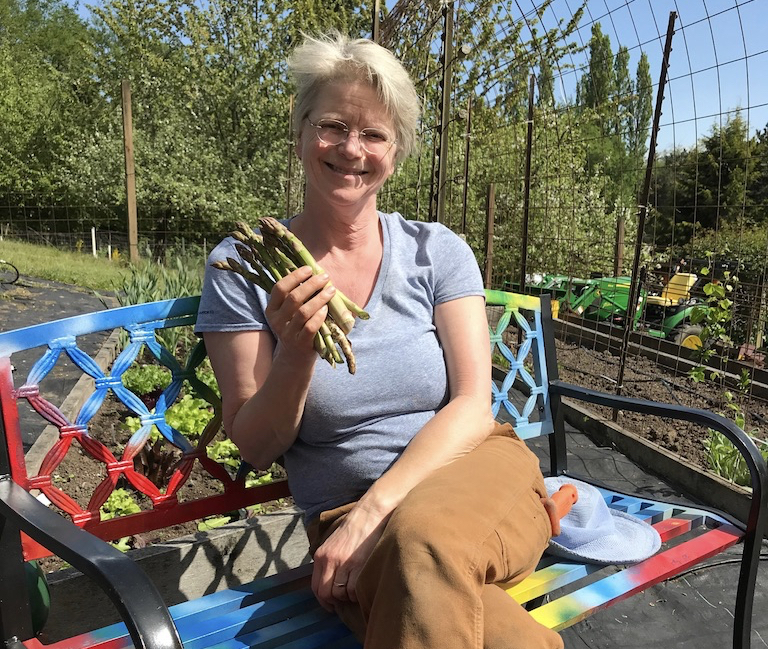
263 376
297 308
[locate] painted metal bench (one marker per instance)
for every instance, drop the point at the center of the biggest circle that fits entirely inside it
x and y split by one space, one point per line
280 611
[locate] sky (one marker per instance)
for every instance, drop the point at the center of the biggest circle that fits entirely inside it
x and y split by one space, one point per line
718 63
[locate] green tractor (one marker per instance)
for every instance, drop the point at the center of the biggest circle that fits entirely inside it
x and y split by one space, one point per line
604 299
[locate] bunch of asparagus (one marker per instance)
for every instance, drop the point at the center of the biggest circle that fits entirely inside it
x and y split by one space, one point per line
274 253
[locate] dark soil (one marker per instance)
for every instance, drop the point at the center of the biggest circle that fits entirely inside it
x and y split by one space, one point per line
645 380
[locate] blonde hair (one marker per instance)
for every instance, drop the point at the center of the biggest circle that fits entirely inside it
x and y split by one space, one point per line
319 61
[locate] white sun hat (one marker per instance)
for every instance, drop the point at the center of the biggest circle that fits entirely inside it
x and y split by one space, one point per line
595 533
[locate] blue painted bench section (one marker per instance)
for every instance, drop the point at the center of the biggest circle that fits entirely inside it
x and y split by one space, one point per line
280 611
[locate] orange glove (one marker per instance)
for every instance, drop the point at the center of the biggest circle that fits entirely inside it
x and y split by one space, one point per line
559 504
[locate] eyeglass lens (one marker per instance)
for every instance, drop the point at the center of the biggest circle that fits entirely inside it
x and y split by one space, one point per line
334 132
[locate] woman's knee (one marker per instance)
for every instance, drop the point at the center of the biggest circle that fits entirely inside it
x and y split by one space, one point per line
416 528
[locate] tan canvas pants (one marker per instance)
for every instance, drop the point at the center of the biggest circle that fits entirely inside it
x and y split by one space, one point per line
429 583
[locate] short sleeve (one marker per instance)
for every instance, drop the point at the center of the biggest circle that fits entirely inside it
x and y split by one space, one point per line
229 302
457 273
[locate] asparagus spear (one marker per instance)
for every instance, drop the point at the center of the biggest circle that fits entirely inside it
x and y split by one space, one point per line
276 252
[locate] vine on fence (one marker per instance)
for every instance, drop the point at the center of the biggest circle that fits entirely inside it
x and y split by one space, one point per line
714 317
724 459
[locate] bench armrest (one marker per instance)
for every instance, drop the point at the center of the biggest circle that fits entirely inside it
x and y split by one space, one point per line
757 521
130 589
755 462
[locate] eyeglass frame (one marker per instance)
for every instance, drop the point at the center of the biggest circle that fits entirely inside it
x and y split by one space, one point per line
347 132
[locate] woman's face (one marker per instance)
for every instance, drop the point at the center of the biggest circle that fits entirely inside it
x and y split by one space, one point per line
346 175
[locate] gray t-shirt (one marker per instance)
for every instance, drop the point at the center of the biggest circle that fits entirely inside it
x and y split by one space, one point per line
356 426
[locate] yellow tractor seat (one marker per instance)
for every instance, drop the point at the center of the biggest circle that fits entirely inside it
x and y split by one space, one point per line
678 287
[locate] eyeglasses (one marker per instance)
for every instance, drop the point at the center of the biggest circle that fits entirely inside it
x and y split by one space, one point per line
333 132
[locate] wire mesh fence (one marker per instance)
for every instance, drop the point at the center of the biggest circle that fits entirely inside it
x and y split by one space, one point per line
534 145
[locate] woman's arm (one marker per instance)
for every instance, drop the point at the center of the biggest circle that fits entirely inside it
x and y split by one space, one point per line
464 422
459 427
263 377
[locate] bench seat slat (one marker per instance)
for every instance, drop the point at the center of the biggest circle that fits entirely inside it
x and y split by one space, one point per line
281 632
262 588
547 579
255 620
576 606
214 605
331 637
654 515
236 632
204 631
671 528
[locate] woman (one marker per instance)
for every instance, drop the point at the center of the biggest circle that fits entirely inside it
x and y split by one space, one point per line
415 501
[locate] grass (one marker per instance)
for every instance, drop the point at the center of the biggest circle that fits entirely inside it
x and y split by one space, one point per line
79 269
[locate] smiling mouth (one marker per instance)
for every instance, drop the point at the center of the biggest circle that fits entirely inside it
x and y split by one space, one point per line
348 172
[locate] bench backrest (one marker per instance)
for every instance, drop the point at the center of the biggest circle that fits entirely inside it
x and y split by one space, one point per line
518 339
519 325
139 326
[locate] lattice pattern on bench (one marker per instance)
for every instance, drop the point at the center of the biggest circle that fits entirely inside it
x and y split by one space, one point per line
526 364
141 324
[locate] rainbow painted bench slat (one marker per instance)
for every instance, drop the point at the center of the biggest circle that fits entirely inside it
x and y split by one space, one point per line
280 611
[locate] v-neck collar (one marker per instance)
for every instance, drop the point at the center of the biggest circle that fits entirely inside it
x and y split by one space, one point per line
386 256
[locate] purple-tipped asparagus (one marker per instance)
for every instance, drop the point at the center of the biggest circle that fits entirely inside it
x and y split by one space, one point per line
276 252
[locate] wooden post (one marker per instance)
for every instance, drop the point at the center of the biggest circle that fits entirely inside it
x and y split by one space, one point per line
130 173
375 31
489 215
290 160
761 315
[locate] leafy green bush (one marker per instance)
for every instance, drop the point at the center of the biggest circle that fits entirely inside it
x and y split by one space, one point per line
146 378
224 451
189 416
724 458
120 503
714 317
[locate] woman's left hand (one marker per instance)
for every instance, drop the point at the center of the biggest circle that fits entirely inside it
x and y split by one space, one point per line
339 560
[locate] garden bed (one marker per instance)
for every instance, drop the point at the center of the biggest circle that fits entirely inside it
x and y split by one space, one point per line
643 379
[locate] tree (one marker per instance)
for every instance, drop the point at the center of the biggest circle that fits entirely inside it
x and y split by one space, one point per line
210 106
717 175
757 182
546 84
596 87
41 63
640 109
